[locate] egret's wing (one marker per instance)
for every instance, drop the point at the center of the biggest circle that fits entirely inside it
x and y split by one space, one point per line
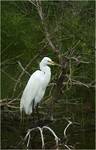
30 91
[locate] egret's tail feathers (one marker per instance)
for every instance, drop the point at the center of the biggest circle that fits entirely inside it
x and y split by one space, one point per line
21 112
28 110
27 107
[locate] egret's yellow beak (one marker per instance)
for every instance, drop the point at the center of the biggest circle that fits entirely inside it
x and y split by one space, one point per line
53 63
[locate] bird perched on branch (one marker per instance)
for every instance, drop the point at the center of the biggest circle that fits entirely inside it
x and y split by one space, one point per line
36 86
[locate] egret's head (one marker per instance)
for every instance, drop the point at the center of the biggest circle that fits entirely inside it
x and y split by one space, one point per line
47 61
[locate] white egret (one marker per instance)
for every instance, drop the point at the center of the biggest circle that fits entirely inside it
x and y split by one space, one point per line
36 86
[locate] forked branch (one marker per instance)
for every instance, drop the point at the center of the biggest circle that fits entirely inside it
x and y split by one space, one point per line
57 139
28 135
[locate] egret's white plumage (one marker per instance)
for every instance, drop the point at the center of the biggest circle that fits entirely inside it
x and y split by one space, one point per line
36 86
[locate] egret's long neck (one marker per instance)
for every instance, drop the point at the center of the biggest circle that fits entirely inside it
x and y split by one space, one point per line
47 73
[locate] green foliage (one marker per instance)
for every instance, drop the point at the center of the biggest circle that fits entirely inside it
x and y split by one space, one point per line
23 37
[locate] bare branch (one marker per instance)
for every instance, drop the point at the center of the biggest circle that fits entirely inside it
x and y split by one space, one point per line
33 2
42 137
6 47
47 35
12 106
27 136
11 59
23 68
67 147
71 50
80 61
79 83
75 45
76 82
28 142
28 132
56 137
9 103
77 59
65 130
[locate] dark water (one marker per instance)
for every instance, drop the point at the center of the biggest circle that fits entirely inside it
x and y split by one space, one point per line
81 133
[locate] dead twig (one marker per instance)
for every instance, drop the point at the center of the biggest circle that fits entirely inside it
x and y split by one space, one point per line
76 82
9 103
65 130
77 59
6 48
80 83
47 35
11 59
33 2
12 106
67 147
71 50
19 63
65 133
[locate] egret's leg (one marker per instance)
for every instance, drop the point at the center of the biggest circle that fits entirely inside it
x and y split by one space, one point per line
21 117
33 110
38 116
